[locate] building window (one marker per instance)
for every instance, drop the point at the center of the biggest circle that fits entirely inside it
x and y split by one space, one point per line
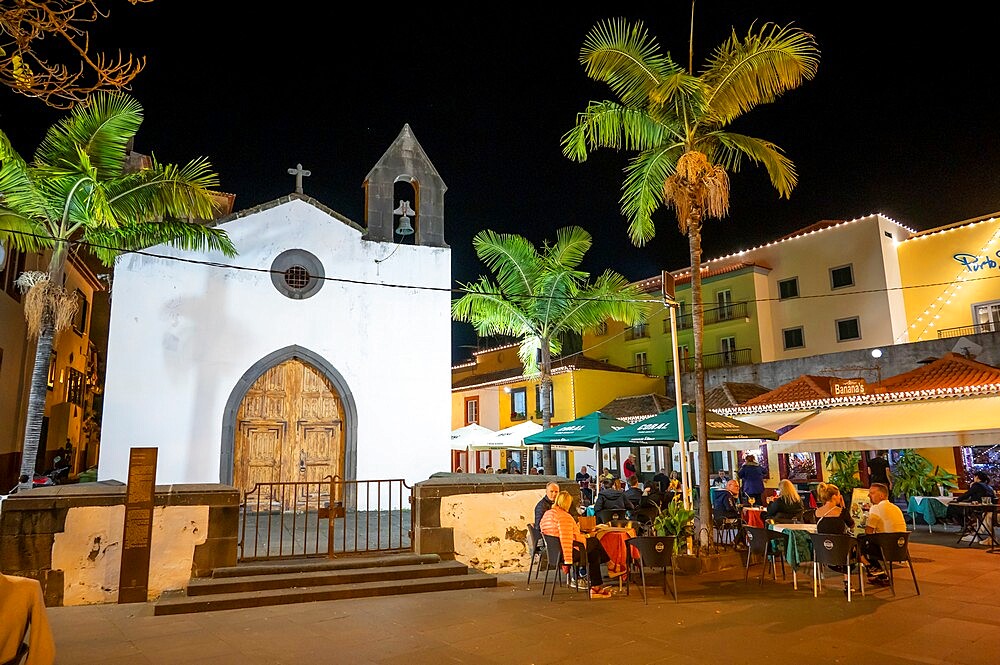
12 269
602 329
538 400
724 299
987 316
788 288
794 338
74 386
519 404
641 362
297 274
841 277
728 350
82 309
471 410
848 329
638 331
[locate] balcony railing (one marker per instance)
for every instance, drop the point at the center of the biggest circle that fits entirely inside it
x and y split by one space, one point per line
714 360
641 369
730 312
637 332
974 329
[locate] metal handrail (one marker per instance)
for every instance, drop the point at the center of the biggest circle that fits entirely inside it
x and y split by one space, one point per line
714 360
974 329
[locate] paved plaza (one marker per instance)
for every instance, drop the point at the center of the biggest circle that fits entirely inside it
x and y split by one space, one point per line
718 619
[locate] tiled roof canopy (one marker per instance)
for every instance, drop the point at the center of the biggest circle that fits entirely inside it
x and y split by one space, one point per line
638 407
732 394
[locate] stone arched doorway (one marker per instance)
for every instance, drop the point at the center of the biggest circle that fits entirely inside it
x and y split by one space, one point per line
289 427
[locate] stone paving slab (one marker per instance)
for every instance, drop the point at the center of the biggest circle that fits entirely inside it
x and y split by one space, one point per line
718 619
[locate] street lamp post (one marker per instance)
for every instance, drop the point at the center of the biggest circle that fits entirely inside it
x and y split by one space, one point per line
666 282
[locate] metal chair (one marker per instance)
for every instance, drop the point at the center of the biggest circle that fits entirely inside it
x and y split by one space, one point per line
644 516
836 550
554 561
726 529
654 552
536 546
894 548
764 543
608 515
808 516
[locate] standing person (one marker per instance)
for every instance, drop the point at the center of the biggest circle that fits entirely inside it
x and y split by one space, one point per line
629 467
752 477
883 517
545 503
583 479
879 471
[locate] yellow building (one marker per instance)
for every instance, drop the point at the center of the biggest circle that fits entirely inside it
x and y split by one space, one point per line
492 391
951 279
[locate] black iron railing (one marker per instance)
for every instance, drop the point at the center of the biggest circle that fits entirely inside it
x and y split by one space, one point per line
715 360
721 314
974 329
324 518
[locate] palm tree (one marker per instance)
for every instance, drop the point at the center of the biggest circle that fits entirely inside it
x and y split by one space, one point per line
676 122
78 194
538 297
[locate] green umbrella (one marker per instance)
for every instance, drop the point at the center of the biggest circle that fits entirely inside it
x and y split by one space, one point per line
582 433
661 429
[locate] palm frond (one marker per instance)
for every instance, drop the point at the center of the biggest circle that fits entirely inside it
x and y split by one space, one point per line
22 233
572 243
627 58
642 191
106 243
766 63
732 147
512 258
163 190
608 124
102 128
489 311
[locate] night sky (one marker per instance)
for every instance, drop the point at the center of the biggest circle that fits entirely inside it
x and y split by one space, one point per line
899 120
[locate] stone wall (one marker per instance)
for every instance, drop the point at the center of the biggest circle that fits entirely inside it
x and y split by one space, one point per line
68 537
480 519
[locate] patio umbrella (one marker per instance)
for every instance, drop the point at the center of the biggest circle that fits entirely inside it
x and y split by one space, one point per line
661 429
509 437
469 436
583 432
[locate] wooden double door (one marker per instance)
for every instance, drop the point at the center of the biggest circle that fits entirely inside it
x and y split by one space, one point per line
290 428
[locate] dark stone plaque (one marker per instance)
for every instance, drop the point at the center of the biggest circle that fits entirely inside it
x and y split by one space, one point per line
133 583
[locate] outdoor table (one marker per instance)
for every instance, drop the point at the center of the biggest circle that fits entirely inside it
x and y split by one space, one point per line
612 539
800 549
980 511
754 516
931 508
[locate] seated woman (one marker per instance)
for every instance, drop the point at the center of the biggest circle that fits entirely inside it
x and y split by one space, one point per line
675 483
557 521
833 516
787 506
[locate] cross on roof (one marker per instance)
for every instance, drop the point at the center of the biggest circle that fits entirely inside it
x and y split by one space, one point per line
298 172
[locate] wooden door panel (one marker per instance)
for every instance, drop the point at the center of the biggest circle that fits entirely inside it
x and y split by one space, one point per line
259 455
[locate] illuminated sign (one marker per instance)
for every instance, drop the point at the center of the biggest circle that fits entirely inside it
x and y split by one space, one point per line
845 387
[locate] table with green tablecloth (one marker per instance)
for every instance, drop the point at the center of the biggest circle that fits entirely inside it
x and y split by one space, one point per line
930 508
800 549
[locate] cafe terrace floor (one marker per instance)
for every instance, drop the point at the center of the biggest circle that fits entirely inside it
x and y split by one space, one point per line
719 619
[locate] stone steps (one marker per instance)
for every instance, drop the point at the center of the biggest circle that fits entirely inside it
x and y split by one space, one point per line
258 585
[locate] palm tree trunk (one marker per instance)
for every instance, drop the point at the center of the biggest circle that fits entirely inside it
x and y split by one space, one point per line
36 406
548 461
697 329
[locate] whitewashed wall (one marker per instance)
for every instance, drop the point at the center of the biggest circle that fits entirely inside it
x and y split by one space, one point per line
182 335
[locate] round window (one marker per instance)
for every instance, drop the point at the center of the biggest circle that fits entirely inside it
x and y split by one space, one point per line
297 274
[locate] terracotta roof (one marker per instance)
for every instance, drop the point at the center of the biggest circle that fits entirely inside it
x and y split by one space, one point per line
559 366
806 387
732 394
638 407
952 370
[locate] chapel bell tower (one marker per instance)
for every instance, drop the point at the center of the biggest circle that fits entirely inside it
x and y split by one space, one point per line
404 196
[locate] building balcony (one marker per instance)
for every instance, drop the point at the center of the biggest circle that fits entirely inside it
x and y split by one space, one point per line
644 368
974 329
640 331
730 312
715 361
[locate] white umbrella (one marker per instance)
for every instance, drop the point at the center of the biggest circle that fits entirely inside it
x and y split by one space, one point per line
469 435
510 437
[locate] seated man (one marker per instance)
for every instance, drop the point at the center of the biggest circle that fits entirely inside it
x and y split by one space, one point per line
545 503
586 491
633 494
883 517
978 490
727 502
610 498
662 480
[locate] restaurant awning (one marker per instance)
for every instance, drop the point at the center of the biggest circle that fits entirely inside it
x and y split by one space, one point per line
463 437
584 432
934 423
661 429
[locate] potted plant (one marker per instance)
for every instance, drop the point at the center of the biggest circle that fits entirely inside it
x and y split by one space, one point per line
844 464
675 520
914 475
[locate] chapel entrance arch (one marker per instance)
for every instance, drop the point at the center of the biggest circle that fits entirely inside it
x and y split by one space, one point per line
290 420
